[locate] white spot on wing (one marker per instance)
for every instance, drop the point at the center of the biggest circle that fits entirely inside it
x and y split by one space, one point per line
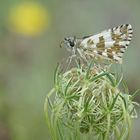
104 54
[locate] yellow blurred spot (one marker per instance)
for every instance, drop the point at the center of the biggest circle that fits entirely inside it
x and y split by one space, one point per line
29 18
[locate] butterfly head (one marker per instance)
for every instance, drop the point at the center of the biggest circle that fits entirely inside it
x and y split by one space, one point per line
69 43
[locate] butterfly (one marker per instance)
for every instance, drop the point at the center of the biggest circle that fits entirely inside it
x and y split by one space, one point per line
108 45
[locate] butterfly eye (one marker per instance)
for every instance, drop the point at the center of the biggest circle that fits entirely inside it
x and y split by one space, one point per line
71 43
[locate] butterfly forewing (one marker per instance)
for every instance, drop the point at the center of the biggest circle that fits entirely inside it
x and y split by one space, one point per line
109 44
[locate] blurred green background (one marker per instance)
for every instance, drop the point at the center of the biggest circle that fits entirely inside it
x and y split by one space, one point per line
30 33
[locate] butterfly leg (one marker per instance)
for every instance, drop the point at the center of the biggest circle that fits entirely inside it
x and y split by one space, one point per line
69 61
82 55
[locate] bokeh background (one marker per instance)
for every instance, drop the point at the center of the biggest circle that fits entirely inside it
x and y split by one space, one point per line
30 33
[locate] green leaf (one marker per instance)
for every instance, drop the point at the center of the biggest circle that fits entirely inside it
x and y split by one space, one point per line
114 101
68 85
124 101
56 73
135 93
98 76
88 70
111 79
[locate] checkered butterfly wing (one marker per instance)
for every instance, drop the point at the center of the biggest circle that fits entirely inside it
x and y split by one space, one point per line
109 44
